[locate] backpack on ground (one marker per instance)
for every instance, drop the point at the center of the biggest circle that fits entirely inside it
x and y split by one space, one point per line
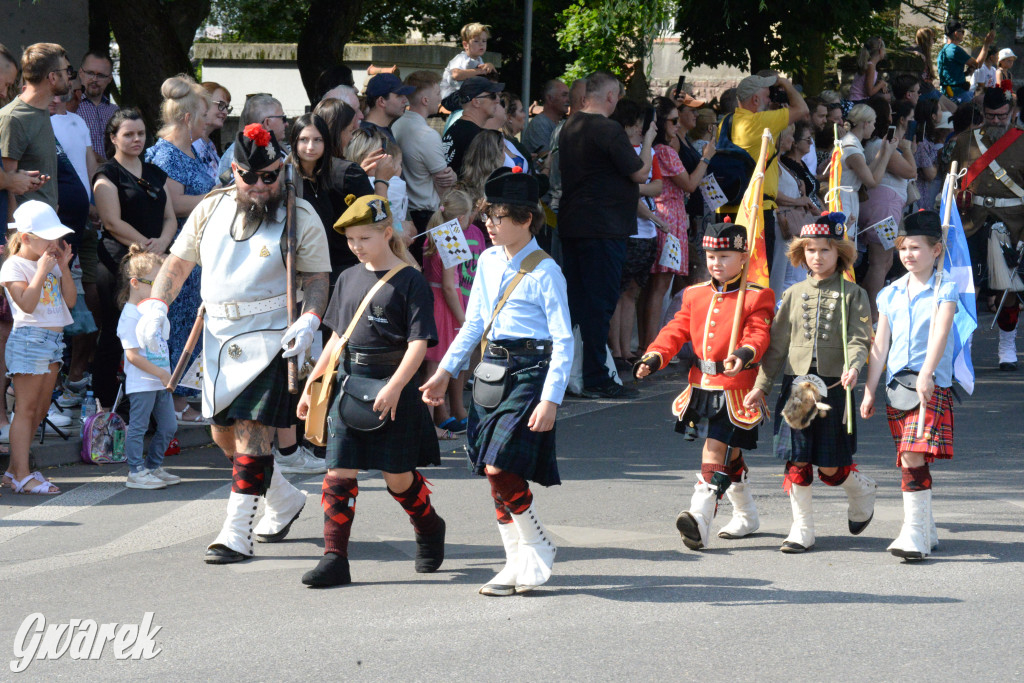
103 437
732 166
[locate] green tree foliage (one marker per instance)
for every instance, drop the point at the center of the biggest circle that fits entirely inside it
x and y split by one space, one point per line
613 35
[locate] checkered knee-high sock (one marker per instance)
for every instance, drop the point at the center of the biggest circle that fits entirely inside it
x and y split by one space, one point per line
416 502
338 499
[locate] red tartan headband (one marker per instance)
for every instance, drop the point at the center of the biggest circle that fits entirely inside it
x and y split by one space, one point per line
816 229
734 243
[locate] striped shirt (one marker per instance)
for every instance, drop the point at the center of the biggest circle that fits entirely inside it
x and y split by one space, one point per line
96 118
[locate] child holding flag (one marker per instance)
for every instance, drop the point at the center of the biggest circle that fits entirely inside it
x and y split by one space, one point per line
914 346
719 380
807 342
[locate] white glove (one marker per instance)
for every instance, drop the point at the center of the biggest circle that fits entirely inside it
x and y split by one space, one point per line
153 327
301 332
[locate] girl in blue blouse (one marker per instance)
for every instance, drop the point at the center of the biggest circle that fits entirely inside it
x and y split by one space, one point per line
915 314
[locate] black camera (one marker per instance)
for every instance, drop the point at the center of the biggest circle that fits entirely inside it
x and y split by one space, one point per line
777 94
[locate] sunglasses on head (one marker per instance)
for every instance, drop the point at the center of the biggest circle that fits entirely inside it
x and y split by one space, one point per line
488 95
151 191
268 177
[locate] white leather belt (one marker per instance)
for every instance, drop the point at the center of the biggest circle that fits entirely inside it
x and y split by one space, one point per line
995 202
235 310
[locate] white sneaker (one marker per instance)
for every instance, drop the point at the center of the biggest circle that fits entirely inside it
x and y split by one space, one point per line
165 476
70 399
144 479
302 461
58 418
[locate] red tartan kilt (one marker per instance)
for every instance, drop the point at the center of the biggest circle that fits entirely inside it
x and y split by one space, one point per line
937 440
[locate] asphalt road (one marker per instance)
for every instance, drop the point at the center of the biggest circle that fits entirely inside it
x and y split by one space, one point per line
627 601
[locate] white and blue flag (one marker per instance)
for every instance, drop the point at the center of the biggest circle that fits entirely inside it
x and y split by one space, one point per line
965 322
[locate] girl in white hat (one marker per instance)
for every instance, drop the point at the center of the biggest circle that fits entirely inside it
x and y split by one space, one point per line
37 279
1005 60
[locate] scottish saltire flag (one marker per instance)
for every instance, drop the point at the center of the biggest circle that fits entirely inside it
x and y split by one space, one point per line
751 216
958 264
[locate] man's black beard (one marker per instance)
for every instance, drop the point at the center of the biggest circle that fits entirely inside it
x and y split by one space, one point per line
255 212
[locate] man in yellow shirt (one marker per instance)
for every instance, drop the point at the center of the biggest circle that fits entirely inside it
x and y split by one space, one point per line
748 123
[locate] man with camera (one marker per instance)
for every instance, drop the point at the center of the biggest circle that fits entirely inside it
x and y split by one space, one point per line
748 122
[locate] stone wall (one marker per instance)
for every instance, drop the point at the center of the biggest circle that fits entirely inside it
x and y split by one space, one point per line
24 22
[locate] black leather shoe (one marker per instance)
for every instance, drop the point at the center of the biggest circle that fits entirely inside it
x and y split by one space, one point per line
280 535
221 554
331 571
1008 367
610 390
791 548
430 551
686 525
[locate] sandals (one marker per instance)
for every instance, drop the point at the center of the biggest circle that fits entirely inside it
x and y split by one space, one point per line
43 488
195 421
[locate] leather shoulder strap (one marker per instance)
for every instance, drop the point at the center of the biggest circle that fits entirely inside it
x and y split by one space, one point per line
988 158
527 266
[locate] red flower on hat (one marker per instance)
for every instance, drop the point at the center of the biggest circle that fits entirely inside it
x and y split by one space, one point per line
258 134
517 169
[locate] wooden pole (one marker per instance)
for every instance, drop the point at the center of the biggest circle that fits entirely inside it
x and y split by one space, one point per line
289 265
186 353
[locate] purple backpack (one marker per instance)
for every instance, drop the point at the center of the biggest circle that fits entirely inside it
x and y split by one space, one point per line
103 439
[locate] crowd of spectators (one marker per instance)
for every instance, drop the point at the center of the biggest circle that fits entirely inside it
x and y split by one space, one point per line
619 179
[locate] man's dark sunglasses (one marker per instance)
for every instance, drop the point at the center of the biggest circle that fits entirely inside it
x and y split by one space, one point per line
268 177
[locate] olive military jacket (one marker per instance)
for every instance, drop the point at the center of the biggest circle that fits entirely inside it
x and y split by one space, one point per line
809 323
965 152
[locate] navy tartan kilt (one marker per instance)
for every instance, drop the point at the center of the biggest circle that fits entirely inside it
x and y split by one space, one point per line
266 400
710 406
501 437
825 442
407 442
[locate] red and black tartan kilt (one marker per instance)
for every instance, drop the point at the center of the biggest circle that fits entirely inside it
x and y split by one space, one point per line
502 438
937 439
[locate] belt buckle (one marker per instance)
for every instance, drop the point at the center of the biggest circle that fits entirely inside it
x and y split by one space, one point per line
990 202
231 311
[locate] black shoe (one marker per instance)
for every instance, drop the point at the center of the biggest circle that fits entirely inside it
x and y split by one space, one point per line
621 364
857 527
610 390
1008 367
686 525
221 554
791 548
430 551
331 571
280 535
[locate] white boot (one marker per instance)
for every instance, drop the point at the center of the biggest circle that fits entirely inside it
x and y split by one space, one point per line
505 582
1008 346
535 552
744 513
860 491
694 525
801 534
234 542
933 532
284 502
913 541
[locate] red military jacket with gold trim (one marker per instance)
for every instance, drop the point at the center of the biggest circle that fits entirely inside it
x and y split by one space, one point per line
705 319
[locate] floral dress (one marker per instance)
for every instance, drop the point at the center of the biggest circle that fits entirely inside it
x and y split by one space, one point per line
194 176
671 205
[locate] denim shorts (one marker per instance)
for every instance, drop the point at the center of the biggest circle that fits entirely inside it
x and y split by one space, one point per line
31 350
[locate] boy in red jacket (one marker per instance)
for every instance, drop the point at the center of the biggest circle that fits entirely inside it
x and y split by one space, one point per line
712 401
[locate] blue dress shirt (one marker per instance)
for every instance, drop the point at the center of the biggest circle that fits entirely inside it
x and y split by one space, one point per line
537 309
910 322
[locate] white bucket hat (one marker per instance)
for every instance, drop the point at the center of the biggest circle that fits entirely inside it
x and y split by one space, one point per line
39 219
945 121
1005 53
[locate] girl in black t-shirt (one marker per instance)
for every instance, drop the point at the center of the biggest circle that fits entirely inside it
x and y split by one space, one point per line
387 344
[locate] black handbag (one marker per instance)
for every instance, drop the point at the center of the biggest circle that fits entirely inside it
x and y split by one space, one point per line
901 392
358 395
491 383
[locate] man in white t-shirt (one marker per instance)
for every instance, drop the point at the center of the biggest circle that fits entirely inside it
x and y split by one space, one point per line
73 135
426 173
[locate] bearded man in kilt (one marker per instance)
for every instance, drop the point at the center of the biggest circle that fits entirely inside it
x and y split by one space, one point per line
238 235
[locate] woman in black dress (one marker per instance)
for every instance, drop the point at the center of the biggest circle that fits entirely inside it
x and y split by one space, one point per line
135 209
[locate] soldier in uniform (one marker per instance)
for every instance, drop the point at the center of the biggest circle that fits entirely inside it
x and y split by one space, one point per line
994 193
718 381
238 237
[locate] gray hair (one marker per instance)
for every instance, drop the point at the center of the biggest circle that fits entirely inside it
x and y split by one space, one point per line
257 108
345 93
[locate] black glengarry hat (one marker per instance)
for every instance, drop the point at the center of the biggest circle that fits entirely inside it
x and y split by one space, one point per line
827 225
256 148
512 187
922 223
725 236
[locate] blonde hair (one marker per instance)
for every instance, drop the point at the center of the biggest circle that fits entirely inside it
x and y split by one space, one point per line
485 154
455 204
13 244
860 113
182 97
847 252
871 48
471 31
137 263
364 143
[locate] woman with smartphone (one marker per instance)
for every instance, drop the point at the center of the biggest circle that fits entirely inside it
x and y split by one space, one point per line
889 198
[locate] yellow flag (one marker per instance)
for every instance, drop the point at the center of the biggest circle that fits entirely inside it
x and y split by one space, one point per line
835 199
751 216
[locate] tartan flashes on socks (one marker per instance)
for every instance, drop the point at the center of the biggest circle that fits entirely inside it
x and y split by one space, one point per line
512 490
839 477
250 474
735 469
916 478
416 502
797 476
